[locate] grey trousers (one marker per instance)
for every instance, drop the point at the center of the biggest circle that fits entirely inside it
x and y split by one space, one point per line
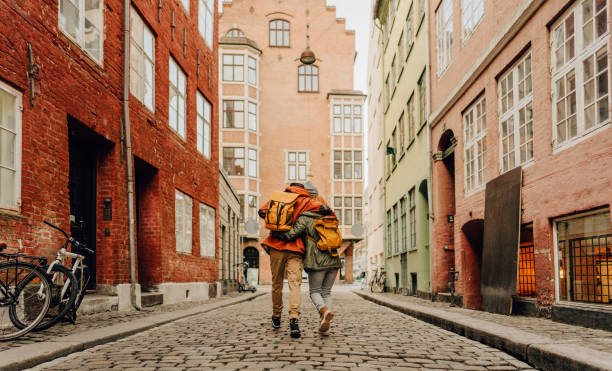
320 283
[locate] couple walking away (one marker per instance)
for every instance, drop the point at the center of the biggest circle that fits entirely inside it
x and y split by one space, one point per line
298 246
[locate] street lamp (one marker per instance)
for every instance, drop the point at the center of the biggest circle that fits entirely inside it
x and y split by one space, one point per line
308 56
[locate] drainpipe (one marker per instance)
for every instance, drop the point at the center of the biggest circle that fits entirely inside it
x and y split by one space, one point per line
429 152
128 149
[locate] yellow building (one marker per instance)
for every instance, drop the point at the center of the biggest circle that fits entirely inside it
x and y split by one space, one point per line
405 138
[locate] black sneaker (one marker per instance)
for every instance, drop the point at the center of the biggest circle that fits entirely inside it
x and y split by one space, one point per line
275 322
295 328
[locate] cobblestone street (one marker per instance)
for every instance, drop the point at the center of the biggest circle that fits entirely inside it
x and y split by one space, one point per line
364 336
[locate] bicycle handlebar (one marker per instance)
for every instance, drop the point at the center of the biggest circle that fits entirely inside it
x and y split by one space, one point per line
76 243
56 227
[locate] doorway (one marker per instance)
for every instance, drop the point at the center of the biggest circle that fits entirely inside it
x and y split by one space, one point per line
147 223
82 179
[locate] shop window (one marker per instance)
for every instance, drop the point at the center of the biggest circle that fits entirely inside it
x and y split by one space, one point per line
584 252
526 261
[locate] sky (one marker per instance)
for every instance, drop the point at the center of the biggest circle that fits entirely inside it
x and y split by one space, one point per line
357 15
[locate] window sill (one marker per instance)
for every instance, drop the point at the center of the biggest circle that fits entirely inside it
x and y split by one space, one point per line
308 92
90 57
475 190
232 129
12 214
280 46
183 253
233 82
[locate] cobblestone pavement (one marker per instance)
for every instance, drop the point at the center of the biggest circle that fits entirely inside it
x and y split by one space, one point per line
587 337
98 320
365 336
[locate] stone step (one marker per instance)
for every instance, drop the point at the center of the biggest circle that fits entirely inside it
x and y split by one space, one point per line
96 303
151 299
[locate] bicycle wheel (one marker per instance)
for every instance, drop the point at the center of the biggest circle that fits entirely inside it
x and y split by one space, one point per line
27 299
63 295
82 278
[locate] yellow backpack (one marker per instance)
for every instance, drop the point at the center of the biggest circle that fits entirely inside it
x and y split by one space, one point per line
280 211
330 238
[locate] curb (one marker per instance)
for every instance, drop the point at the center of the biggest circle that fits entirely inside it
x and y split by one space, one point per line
31 355
539 351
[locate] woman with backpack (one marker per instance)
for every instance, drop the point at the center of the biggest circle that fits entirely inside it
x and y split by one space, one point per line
322 266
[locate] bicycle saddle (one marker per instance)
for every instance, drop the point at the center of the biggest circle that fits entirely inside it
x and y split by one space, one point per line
2 246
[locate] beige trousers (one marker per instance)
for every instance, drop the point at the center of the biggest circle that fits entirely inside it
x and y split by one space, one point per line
291 263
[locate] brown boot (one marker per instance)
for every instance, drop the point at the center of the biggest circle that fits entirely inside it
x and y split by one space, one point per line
326 317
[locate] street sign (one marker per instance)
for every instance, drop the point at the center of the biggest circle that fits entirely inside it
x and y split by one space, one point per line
251 226
357 230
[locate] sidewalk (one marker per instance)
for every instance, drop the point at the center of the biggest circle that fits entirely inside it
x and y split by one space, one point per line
541 342
100 328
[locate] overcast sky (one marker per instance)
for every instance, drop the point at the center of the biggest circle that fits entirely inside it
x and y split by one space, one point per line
357 14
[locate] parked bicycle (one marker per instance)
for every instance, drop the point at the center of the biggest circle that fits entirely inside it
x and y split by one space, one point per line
243 285
25 293
378 282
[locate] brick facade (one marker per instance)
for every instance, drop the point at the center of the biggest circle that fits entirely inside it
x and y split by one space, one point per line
78 104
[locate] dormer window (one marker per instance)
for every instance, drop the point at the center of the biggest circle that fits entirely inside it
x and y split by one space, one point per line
279 33
234 32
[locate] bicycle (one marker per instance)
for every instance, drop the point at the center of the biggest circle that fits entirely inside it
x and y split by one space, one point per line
379 280
25 293
243 285
67 284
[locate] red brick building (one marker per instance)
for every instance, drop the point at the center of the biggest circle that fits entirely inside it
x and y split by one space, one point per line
63 142
524 84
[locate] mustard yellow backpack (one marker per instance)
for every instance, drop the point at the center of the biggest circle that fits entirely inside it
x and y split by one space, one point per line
280 211
330 238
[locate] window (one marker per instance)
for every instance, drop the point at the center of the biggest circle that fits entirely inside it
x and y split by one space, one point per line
409 32
252 71
10 147
411 120
83 21
580 72
233 67
471 14
422 99
412 217
444 34
348 209
279 33
349 163
207 230
516 115
178 83
404 230
389 241
402 132
234 32
395 229
474 132
347 118
185 5
297 163
203 125
233 160
252 207
308 78
142 61
252 116
206 20
183 211
584 263
233 114
252 163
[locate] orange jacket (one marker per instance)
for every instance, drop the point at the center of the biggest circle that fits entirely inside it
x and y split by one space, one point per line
303 203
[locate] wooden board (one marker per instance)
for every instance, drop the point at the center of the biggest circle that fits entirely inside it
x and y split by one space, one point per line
501 241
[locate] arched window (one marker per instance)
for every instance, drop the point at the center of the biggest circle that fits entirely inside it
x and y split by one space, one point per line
235 32
279 33
308 78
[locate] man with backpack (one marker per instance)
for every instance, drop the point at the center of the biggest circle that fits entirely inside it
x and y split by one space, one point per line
280 213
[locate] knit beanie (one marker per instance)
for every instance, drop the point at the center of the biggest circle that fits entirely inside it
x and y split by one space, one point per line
311 188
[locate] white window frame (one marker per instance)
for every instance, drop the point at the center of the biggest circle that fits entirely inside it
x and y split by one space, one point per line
340 211
296 164
511 108
475 141
183 211
252 163
574 64
204 112
444 35
343 162
178 89
79 38
232 68
185 5
252 70
235 121
252 116
138 46
17 131
206 20
207 231
472 12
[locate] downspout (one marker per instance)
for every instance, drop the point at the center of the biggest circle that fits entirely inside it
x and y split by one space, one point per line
429 151
128 150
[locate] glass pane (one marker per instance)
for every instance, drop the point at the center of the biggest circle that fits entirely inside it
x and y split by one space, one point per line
7 110
337 125
337 109
348 220
347 125
348 155
302 157
7 148
291 156
348 171
347 110
337 201
69 18
357 123
337 155
291 173
302 172
348 201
